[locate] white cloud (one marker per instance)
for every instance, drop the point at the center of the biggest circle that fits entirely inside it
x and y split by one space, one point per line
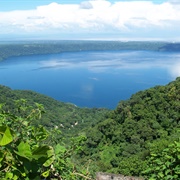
94 16
86 5
177 2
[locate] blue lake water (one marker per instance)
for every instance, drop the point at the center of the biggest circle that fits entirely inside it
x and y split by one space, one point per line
90 79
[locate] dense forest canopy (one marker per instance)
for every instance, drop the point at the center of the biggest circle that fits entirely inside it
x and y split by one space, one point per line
148 121
136 138
64 115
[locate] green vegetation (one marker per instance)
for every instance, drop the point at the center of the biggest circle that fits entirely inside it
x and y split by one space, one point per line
122 143
140 137
23 48
67 117
164 164
31 152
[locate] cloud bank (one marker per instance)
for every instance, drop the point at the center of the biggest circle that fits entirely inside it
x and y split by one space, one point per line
142 19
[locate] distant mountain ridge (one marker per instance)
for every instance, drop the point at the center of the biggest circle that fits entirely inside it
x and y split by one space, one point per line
25 48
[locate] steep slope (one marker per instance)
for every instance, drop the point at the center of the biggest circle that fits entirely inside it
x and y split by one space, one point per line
118 141
67 117
122 142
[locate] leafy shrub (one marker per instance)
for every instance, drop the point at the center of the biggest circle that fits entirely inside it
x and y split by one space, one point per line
164 164
29 152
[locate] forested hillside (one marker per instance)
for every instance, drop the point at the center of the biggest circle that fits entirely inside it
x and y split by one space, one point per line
140 137
39 136
67 117
145 124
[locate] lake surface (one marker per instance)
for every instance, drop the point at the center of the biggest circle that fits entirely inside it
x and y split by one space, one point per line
90 79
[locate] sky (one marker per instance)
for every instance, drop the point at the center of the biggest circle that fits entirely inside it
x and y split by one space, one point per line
90 20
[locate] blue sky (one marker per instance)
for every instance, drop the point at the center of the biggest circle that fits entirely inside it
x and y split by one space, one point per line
8 5
90 19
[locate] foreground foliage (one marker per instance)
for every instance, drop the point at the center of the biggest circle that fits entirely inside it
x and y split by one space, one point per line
29 152
164 165
140 137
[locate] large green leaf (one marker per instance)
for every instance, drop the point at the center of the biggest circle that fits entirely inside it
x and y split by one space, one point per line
41 151
5 135
9 175
24 150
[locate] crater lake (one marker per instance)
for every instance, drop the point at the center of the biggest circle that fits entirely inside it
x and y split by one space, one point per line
90 78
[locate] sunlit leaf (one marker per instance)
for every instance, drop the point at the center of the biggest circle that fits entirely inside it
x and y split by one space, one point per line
6 136
45 174
24 150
